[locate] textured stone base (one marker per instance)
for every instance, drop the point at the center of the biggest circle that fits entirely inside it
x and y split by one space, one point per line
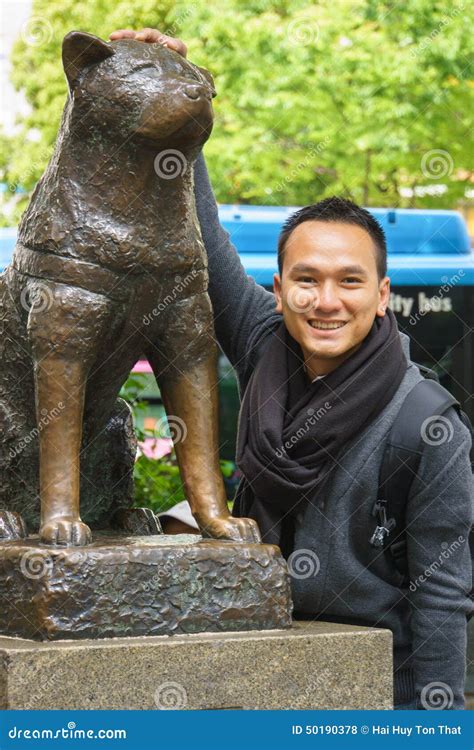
310 666
141 586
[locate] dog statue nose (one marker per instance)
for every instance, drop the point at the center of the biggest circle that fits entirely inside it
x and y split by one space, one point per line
196 91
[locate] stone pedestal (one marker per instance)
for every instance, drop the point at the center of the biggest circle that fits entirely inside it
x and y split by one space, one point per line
141 586
310 666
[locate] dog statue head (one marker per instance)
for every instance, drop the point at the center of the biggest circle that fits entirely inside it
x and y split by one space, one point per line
133 91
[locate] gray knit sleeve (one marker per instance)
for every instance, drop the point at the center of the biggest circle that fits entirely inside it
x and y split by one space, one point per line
439 520
244 312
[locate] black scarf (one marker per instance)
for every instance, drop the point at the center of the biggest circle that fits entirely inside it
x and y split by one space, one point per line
291 431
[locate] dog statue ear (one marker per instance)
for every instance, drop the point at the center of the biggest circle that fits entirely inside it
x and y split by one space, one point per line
81 49
209 79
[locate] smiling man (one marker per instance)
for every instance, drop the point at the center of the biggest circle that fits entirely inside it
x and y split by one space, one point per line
335 282
323 373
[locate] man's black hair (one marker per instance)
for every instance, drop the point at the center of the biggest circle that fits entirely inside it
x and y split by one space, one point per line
337 209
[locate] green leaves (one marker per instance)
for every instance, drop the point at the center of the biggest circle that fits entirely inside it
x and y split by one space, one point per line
157 484
313 99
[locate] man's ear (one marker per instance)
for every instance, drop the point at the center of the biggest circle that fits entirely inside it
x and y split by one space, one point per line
81 49
277 292
384 296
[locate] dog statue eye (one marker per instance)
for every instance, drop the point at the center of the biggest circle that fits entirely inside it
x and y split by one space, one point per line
144 66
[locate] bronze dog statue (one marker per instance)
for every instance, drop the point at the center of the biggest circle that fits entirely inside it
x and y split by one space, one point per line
110 265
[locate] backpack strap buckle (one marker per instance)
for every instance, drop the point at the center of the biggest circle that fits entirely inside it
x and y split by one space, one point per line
384 525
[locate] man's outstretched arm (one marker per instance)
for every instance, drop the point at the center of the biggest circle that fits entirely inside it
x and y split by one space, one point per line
244 312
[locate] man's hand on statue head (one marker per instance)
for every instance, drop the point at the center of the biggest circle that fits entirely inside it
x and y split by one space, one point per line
152 36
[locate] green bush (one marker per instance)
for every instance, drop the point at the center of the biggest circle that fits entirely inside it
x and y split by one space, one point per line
158 482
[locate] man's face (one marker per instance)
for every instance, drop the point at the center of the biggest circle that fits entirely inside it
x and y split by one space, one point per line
329 292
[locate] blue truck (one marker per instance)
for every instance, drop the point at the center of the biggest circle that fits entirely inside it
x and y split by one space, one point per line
431 266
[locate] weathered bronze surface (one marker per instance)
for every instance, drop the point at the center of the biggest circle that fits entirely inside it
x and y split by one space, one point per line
110 265
132 586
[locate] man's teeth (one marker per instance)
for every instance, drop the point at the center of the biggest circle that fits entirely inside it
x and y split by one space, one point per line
324 326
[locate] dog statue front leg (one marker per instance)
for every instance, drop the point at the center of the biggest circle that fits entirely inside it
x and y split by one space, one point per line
187 376
191 405
60 386
65 332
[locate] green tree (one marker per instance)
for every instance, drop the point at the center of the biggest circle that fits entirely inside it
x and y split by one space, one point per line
363 98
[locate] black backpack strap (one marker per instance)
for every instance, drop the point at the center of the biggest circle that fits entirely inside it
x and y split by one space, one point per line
428 373
400 465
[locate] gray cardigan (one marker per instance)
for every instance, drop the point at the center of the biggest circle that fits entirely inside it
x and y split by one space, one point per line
354 582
